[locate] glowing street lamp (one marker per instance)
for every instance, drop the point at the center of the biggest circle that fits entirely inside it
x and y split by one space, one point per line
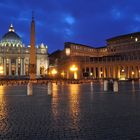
133 74
74 69
91 74
54 72
62 74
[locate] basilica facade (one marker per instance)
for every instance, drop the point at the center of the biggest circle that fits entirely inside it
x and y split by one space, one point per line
15 56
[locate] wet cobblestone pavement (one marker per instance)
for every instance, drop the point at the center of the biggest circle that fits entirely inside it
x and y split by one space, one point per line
71 112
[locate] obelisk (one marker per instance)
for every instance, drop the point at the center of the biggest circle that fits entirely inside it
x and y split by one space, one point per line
32 65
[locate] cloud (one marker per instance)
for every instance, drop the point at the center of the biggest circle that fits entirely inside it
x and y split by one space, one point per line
137 18
116 13
68 33
7 5
89 22
69 19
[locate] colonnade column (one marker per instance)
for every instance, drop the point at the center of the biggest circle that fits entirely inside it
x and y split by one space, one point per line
118 71
108 71
116 74
94 69
130 72
114 71
111 75
99 72
128 75
136 71
104 71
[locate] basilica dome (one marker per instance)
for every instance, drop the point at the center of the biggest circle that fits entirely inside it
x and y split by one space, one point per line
11 38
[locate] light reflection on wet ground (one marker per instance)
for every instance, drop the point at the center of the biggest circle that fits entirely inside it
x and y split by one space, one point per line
70 111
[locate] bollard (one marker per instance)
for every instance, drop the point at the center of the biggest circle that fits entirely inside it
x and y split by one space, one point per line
29 89
49 88
133 82
105 85
115 86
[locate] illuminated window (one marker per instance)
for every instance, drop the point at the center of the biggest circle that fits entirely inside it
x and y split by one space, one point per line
67 51
136 39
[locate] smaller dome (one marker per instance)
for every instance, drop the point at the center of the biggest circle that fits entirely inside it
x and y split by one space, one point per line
11 38
42 46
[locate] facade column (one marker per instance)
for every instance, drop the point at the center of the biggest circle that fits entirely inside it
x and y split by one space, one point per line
4 65
38 66
16 67
21 66
9 66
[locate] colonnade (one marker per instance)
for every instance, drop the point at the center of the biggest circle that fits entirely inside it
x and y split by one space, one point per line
114 71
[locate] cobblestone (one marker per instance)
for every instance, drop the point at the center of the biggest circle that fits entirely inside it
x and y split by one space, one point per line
71 112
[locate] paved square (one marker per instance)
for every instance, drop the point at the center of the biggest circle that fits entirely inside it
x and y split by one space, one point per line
71 112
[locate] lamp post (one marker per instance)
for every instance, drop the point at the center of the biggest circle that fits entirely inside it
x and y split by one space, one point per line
133 74
62 74
54 72
74 69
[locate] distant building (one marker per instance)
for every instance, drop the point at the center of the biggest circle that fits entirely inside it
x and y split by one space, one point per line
120 59
14 56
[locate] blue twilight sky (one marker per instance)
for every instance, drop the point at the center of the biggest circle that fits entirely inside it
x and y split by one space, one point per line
88 22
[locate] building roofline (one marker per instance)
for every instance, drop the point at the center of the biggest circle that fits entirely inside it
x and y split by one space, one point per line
101 47
123 36
80 44
86 45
